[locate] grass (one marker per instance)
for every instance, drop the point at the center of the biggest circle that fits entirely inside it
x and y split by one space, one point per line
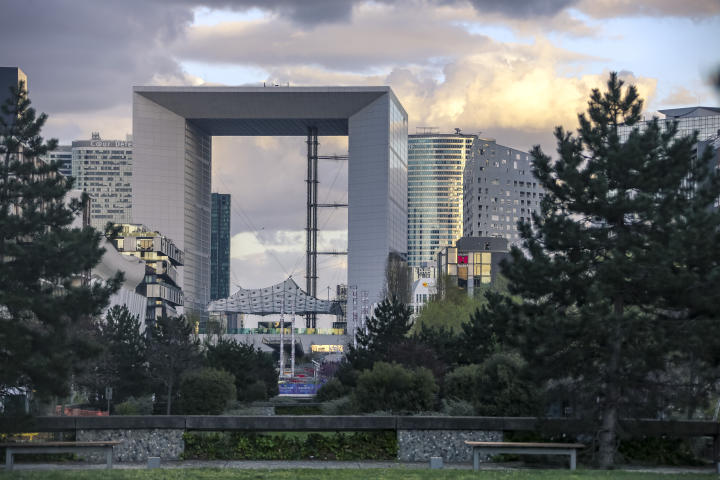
333 474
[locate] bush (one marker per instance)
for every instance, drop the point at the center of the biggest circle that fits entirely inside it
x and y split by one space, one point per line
458 408
332 390
460 383
255 392
391 387
206 391
340 406
135 406
501 391
251 446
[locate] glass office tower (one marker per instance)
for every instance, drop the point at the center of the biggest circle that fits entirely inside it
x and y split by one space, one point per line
220 247
435 194
62 154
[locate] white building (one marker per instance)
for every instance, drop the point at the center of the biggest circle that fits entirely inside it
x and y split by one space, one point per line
421 294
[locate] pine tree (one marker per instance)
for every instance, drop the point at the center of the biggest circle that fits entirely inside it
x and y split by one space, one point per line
125 342
621 266
388 326
40 256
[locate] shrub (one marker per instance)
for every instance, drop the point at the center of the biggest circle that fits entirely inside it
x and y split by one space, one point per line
135 406
391 387
501 391
340 406
332 390
206 391
255 392
458 408
460 383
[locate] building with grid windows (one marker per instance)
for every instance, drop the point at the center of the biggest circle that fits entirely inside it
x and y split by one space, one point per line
473 261
499 190
705 120
62 154
220 246
435 195
103 169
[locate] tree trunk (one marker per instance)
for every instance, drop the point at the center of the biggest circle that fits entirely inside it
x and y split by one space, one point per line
608 433
169 398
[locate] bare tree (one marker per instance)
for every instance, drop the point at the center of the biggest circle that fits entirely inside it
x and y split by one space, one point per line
173 351
398 279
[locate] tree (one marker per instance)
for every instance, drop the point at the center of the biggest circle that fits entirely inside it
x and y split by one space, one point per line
40 259
206 391
247 364
621 266
501 388
172 352
398 279
125 342
388 326
390 387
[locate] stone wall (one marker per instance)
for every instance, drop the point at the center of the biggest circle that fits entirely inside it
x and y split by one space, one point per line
137 444
420 445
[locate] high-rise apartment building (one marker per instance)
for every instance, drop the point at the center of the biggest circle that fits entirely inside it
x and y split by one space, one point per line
220 247
103 169
705 120
62 154
499 191
435 195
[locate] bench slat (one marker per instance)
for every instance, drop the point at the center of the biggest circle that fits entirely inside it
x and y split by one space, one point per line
525 445
61 444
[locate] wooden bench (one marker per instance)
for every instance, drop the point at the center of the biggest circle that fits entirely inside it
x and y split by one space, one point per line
12 449
493 448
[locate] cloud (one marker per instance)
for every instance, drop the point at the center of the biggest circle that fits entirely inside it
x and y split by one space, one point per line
680 96
695 9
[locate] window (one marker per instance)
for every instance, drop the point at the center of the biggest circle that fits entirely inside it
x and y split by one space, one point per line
522 184
515 165
507 193
495 218
482 151
508 182
492 153
517 156
504 162
496 164
496 182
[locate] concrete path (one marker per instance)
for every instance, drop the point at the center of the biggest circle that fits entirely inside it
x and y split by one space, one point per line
319 464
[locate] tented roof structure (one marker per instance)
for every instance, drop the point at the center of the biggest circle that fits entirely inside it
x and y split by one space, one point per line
267 301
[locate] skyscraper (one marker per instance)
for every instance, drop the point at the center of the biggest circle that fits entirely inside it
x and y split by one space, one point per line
62 154
220 247
103 169
500 190
435 195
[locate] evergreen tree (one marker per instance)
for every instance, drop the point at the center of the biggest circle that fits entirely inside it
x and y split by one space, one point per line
388 326
621 266
172 352
40 258
127 345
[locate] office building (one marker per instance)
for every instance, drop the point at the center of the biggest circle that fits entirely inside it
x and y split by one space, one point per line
706 120
161 256
62 154
172 149
473 261
435 194
10 77
103 169
220 247
421 292
499 190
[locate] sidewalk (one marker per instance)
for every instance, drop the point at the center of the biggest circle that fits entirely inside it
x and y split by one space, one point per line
321 464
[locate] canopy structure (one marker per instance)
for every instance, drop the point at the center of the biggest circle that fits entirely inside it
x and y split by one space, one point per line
267 301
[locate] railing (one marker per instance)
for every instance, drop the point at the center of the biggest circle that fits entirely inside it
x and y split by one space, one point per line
276 331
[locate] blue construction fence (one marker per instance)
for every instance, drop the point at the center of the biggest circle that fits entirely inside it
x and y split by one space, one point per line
288 388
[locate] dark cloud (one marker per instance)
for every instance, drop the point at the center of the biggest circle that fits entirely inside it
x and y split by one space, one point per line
85 55
522 9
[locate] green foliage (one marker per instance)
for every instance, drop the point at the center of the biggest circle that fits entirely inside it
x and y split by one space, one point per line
457 408
206 391
502 391
40 256
460 383
659 450
340 406
251 446
445 314
297 410
388 326
135 406
331 390
251 368
393 388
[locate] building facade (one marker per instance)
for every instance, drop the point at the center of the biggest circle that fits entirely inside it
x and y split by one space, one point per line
473 261
220 247
706 120
499 191
161 256
103 169
435 194
62 154
421 291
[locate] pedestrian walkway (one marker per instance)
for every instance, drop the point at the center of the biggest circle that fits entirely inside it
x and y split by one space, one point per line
324 464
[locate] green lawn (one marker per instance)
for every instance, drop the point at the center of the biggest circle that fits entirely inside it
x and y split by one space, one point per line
331 474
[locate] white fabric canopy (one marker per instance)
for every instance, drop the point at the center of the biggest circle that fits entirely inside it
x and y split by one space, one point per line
267 301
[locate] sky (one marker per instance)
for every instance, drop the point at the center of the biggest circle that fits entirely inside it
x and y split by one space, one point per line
511 69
